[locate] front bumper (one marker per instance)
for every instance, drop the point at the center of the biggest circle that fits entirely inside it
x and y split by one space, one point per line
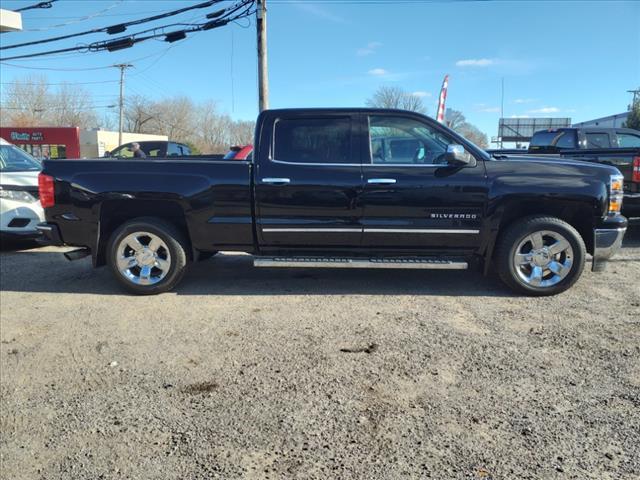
607 240
50 234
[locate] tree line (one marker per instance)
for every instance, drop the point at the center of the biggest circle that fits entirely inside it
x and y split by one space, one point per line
34 102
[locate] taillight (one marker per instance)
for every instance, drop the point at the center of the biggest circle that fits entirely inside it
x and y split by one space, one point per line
616 189
636 170
46 190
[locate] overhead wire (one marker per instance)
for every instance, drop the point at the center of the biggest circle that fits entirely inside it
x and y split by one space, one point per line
112 29
220 18
75 20
47 4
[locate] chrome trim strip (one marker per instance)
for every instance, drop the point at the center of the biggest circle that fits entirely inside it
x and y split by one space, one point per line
371 230
272 180
382 181
289 262
420 230
304 230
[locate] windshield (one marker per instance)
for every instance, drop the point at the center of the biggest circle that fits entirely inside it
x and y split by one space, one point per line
13 159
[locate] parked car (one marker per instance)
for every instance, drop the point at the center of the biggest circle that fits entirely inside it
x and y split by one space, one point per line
20 209
315 196
151 148
240 152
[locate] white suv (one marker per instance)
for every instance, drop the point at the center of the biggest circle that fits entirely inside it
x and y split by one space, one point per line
20 209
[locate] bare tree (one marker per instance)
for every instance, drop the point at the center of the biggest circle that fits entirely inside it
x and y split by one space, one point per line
139 115
456 121
396 97
72 106
26 102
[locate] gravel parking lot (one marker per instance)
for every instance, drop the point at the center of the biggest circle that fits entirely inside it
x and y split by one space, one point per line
256 373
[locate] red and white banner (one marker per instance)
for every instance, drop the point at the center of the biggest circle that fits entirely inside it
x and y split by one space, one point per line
442 100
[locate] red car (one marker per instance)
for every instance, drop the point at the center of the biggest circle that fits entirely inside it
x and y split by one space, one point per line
239 152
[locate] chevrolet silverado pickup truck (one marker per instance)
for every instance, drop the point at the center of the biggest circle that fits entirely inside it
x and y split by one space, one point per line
343 188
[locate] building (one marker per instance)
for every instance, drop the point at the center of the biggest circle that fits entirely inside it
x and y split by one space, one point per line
520 130
10 21
69 142
612 121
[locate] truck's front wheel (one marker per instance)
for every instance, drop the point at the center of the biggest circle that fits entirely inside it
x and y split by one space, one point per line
147 255
540 256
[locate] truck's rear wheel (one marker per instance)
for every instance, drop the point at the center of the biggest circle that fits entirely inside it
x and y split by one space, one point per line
540 256
147 255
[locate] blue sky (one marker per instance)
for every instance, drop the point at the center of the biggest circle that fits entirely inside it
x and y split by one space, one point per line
558 58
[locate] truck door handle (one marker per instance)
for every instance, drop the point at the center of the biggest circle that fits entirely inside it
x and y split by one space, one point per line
276 181
382 181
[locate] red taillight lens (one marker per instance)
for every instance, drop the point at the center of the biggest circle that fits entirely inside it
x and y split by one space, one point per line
46 190
636 170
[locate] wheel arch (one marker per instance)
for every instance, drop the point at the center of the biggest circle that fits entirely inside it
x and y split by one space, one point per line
580 215
114 213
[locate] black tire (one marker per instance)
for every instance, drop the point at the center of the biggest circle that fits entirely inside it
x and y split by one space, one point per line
515 277
175 243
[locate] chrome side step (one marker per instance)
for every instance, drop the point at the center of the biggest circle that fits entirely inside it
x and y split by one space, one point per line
345 262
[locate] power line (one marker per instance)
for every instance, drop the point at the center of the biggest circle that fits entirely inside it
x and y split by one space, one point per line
75 20
221 18
47 4
113 29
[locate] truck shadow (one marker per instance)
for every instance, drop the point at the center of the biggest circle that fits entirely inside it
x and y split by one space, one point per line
46 270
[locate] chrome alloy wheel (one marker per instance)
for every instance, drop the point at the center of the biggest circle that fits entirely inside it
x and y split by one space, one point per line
143 258
543 259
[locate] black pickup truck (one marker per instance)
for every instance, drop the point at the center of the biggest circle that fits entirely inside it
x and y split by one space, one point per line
350 188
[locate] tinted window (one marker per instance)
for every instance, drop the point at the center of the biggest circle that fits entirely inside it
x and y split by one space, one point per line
598 140
554 138
173 149
123 151
399 141
566 139
627 140
313 140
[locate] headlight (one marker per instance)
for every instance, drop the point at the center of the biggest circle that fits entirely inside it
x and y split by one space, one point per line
616 194
17 195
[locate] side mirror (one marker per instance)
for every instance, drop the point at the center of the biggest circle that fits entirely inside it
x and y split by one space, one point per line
457 155
107 154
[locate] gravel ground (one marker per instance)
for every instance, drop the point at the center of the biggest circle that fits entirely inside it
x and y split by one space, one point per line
256 373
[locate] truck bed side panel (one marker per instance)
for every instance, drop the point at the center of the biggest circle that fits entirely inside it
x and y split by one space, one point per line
212 199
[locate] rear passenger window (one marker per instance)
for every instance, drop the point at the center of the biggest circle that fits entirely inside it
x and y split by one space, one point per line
626 140
598 140
567 139
313 140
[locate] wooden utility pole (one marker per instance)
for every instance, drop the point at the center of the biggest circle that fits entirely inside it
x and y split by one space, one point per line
122 67
263 71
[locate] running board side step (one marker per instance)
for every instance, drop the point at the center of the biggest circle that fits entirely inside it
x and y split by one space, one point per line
345 262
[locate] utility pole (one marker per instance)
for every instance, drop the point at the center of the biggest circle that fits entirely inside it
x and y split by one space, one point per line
122 67
263 72
501 108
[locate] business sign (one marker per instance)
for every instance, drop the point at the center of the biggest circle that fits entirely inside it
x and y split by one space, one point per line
522 129
27 137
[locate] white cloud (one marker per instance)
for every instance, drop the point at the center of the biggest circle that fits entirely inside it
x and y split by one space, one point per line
476 62
545 110
490 109
520 101
369 49
378 72
520 116
421 94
